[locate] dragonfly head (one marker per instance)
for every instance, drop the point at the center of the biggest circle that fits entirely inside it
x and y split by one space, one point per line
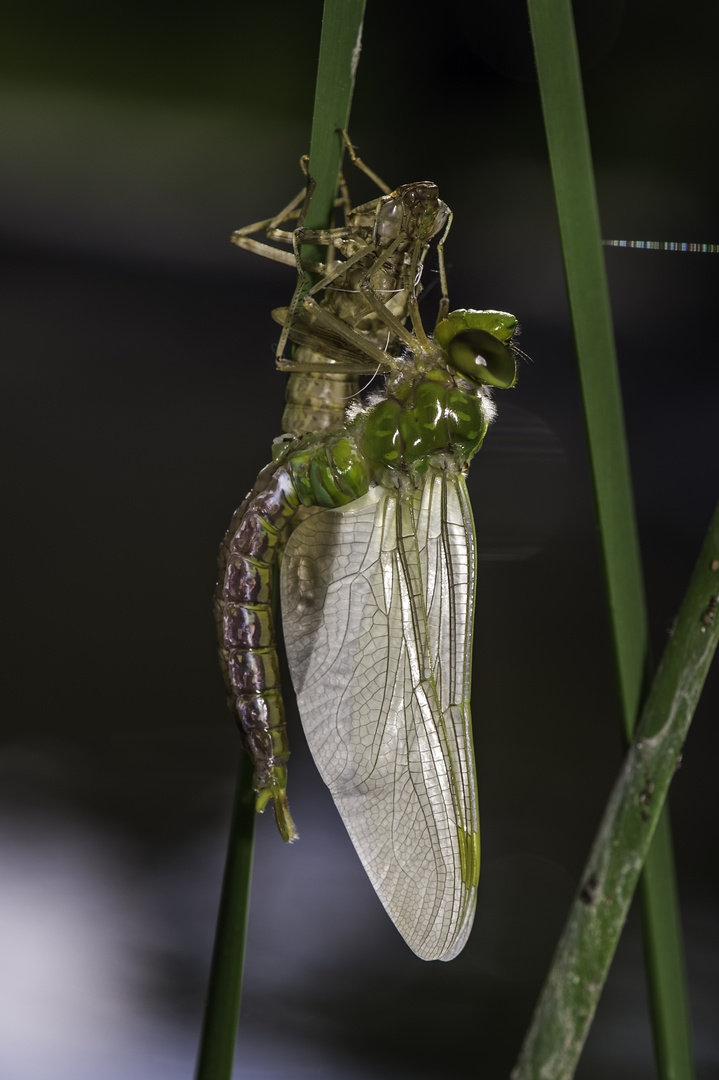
477 346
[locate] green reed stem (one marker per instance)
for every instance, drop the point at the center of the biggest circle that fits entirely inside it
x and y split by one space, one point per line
222 1006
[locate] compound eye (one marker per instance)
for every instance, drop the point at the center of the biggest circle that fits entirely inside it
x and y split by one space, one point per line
481 357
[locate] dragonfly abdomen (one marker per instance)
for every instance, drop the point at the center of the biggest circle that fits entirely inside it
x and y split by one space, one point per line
248 652
328 470
320 470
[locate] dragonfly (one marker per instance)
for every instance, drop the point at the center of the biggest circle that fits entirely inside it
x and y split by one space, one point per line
377 586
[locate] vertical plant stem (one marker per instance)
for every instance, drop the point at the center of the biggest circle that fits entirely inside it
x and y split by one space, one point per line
222 1006
570 156
337 66
571 163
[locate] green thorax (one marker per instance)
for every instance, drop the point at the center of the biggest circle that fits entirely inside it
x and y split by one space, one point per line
424 416
436 411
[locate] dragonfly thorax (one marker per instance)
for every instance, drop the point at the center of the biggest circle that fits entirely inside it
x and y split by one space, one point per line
425 418
437 407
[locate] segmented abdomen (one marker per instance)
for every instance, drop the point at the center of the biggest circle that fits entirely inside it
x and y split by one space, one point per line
246 634
323 470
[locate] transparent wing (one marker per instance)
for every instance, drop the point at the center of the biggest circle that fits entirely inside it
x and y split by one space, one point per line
378 606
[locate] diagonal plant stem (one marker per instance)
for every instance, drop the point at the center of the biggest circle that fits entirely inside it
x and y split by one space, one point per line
581 963
337 65
570 156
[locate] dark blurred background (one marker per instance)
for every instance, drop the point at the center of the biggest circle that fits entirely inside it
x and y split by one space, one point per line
140 403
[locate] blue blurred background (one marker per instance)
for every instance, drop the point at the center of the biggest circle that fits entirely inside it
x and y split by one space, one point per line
140 403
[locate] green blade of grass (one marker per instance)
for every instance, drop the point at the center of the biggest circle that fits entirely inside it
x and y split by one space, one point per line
570 156
337 65
222 1005
580 965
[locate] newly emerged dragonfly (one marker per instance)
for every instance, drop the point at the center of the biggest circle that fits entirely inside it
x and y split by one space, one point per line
377 591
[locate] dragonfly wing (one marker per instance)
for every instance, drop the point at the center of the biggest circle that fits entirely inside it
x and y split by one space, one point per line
378 606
